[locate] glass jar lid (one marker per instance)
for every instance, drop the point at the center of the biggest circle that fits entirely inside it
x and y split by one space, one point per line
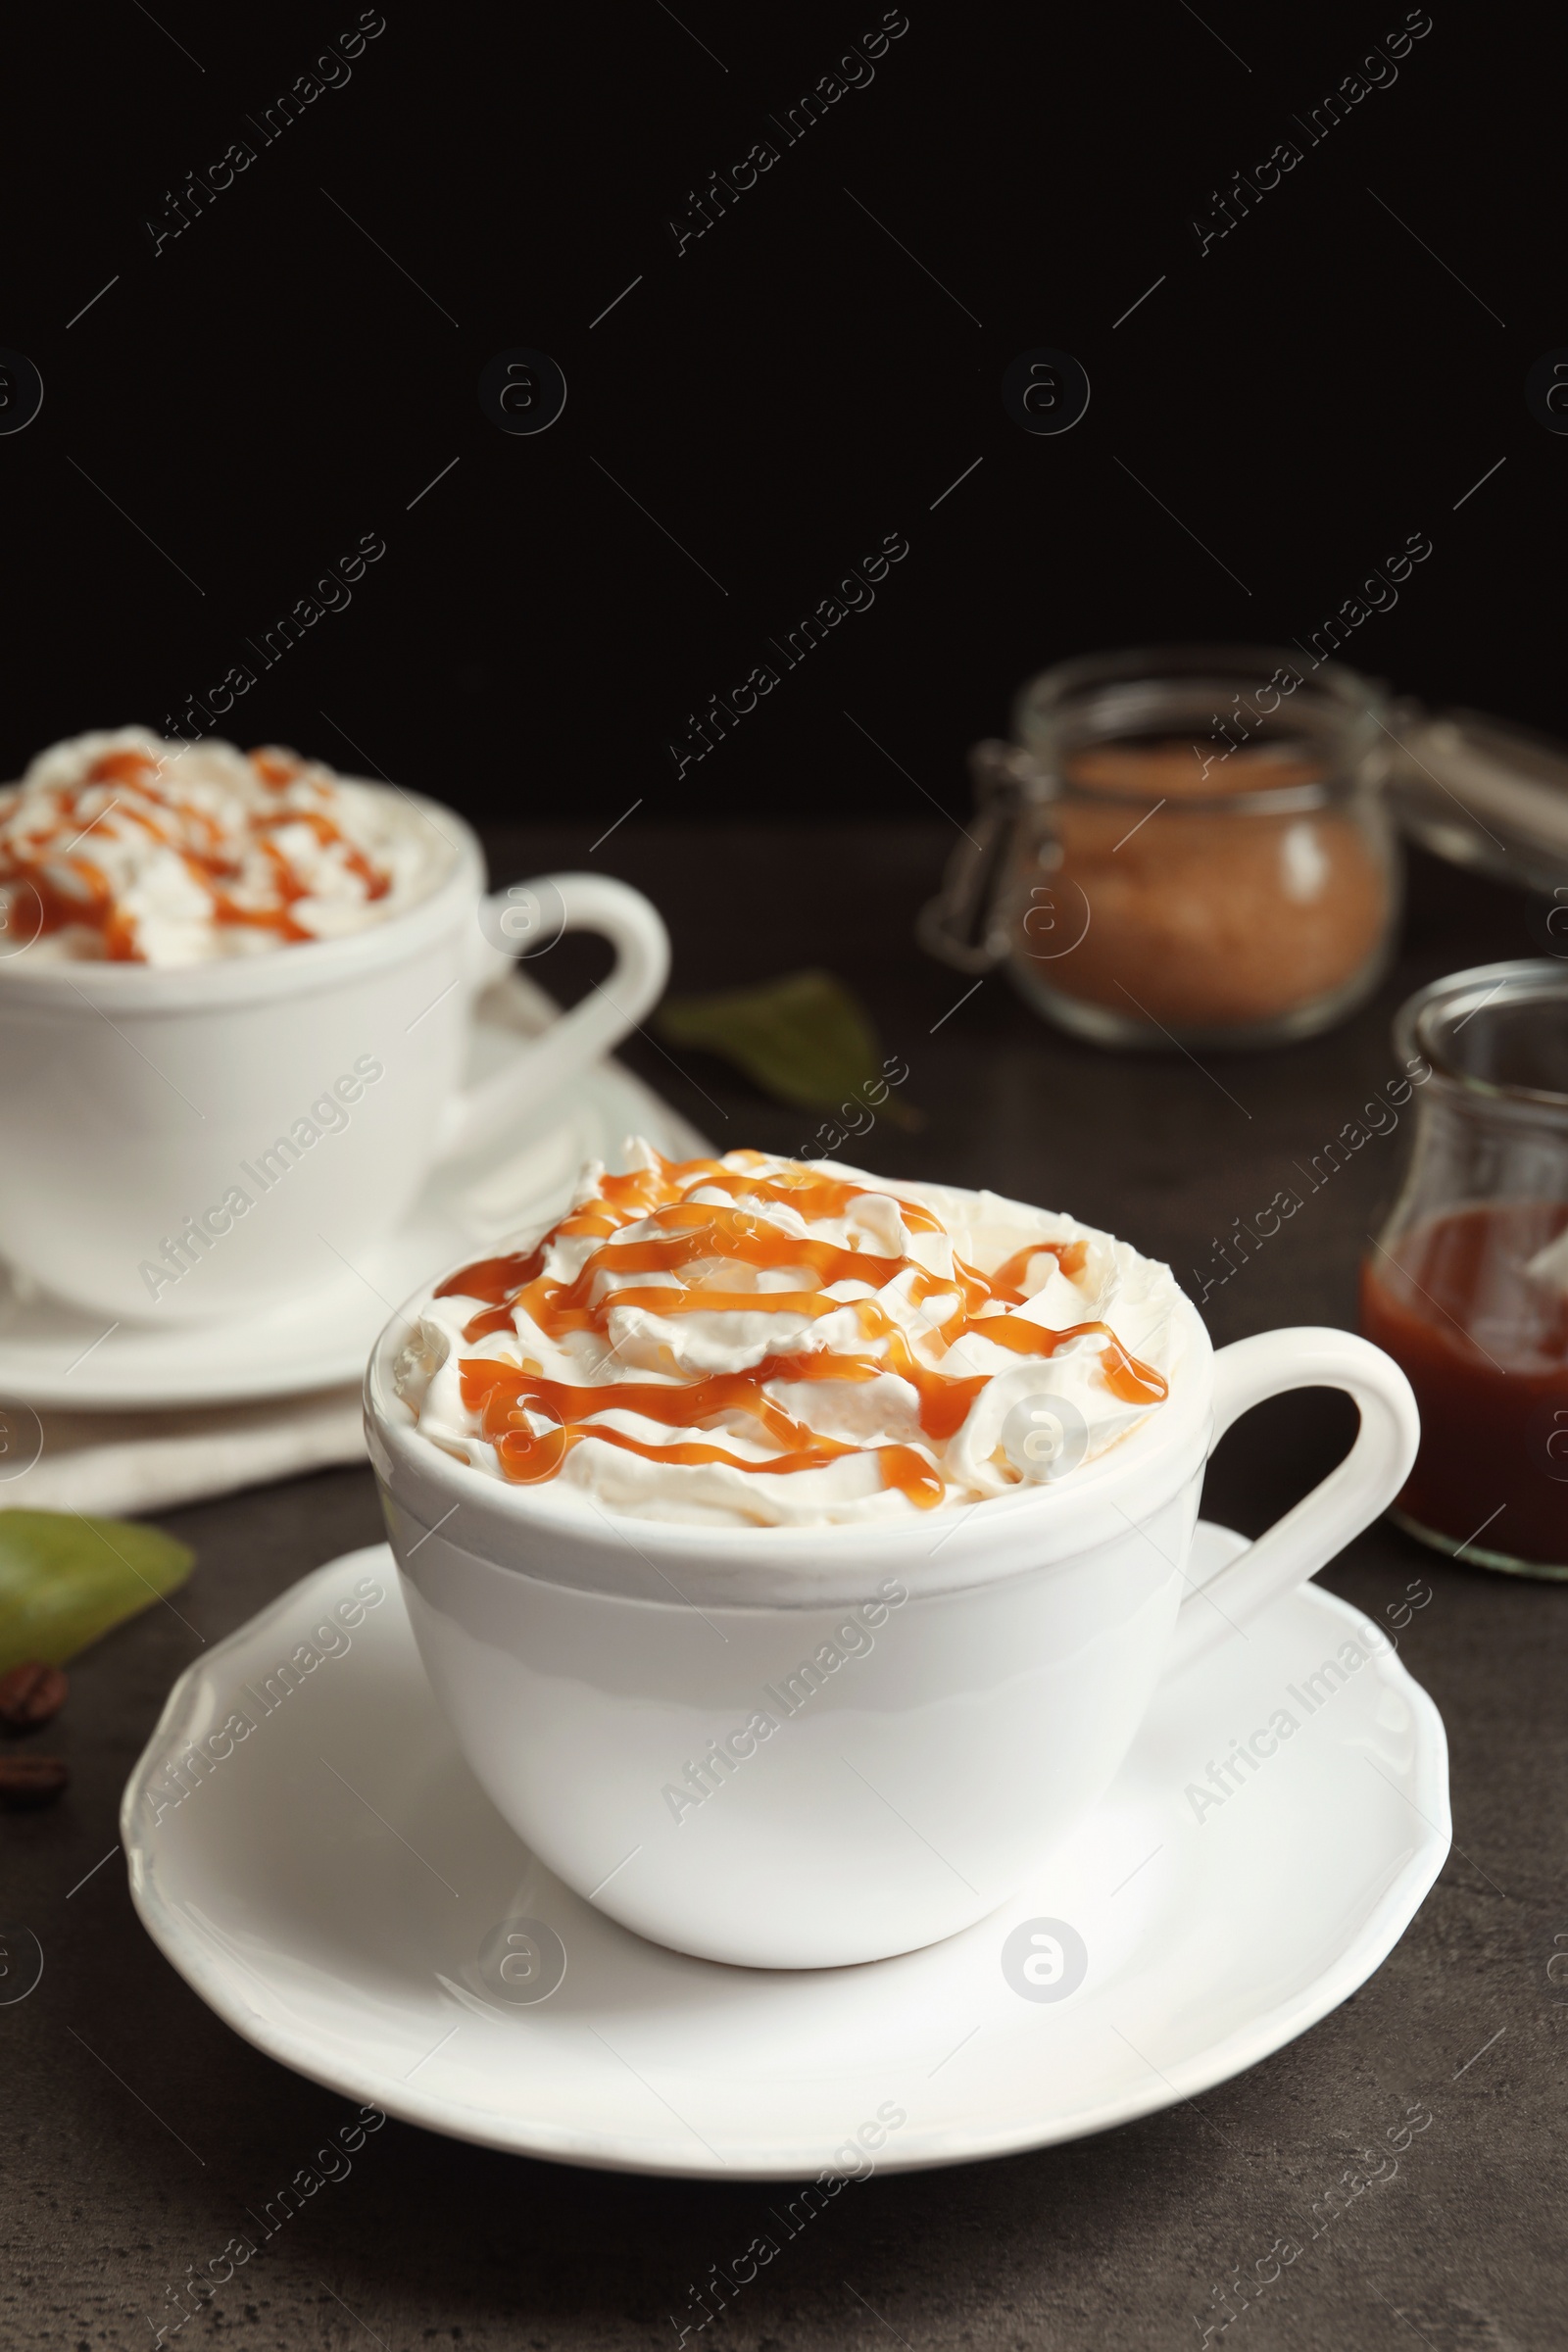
1481 793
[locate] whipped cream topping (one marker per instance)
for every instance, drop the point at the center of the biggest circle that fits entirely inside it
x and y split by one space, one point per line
762 1341
122 847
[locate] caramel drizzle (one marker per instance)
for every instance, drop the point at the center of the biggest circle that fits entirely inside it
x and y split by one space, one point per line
183 829
503 1396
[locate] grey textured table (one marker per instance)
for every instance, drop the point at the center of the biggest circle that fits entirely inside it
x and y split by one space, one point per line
1115 2241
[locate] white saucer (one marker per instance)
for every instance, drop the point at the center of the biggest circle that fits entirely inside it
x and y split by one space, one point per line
338 1889
55 1355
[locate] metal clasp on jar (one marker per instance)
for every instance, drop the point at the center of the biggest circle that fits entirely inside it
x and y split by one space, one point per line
963 923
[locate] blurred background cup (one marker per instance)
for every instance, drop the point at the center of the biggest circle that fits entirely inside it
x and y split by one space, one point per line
1466 1286
185 1144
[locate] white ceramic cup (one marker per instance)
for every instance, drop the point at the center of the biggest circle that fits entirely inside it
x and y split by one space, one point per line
218 1121
948 1694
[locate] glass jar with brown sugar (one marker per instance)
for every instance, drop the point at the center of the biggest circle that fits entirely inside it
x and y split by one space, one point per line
1187 847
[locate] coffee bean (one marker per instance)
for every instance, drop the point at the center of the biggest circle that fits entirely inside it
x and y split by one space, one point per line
27 1781
30 1694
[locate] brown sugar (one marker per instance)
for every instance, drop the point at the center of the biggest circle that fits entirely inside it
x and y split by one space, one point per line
1207 917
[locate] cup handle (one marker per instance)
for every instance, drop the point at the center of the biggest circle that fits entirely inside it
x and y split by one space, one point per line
587 902
1349 1499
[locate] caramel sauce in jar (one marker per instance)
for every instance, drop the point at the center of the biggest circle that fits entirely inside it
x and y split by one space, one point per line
1485 1345
1466 1285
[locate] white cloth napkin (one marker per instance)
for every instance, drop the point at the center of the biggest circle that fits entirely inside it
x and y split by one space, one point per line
123 1465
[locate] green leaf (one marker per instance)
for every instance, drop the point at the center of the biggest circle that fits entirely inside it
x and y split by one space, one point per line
805 1038
64 1579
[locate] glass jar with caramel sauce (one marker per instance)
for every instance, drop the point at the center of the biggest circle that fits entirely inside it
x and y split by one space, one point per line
1466 1286
1187 847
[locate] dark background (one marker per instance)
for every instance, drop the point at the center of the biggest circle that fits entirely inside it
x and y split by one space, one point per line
271 385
